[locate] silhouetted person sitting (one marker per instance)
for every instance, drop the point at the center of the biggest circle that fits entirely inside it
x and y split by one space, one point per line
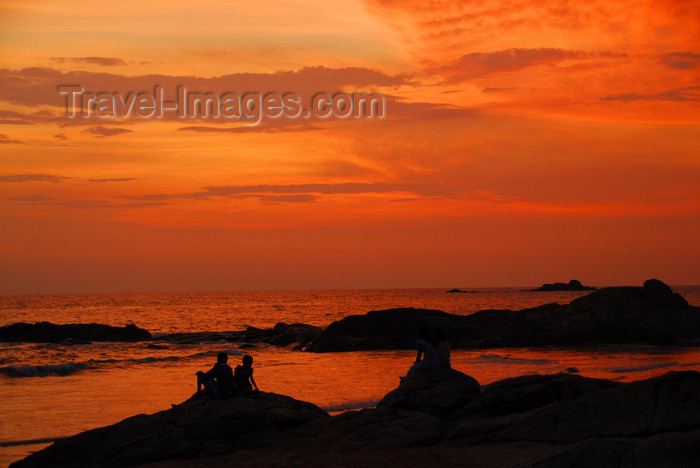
427 358
244 377
443 347
219 380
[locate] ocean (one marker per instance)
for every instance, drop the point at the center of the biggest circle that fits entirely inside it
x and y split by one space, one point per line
50 391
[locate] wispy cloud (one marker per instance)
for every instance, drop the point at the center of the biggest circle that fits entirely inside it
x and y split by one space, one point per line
279 127
679 95
103 132
102 61
680 60
480 64
7 140
19 178
33 178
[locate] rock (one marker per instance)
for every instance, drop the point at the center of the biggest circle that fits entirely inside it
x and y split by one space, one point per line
455 290
438 392
637 409
384 329
79 333
651 314
488 413
381 427
573 285
195 428
524 393
668 450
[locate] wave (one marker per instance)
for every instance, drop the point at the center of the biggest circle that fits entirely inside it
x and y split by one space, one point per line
489 357
648 367
27 370
350 405
69 368
13 443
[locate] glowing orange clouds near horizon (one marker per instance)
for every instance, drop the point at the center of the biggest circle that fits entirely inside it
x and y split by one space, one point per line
522 144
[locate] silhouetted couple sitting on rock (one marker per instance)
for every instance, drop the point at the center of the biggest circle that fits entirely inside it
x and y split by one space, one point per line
433 351
221 382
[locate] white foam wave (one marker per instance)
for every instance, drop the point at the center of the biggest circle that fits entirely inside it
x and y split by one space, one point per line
350 405
28 370
648 367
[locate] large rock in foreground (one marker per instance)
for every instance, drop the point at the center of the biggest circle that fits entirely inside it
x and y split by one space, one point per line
556 421
651 314
438 392
46 332
196 428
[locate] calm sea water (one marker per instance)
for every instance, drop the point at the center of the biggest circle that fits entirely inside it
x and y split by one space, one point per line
55 390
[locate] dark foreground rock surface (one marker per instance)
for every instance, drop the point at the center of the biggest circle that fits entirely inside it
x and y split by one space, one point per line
46 332
558 420
650 314
194 429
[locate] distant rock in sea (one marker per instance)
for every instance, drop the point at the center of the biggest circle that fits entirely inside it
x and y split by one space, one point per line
556 420
573 285
455 290
649 314
78 333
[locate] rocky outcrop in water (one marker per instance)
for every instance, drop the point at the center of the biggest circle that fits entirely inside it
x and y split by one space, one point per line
78 333
573 285
282 334
649 314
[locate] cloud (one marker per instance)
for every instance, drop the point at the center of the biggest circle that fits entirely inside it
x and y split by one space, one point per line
45 200
56 178
680 60
7 140
33 178
103 132
263 190
37 86
281 126
102 61
480 64
498 90
678 95
119 179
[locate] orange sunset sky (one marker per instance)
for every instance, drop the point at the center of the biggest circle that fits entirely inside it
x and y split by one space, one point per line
523 142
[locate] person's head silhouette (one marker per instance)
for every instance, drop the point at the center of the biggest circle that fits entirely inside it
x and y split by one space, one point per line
222 358
247 360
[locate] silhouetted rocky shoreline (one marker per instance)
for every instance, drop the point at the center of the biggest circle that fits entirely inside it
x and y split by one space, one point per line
652 314
557 420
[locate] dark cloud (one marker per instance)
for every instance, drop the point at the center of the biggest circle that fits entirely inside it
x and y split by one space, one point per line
33 178
7 140
280 126
56 178
103 132
346 188
480 64
45 200
37 86
120 179
498 90
103 61
680 60
678 95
